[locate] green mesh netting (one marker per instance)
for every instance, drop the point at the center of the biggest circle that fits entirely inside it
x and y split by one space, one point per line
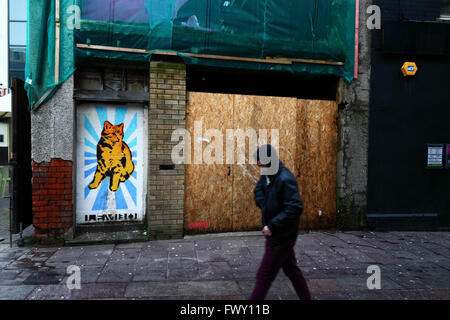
307 29
40 61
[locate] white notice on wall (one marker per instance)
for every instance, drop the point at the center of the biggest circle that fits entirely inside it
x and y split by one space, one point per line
435 155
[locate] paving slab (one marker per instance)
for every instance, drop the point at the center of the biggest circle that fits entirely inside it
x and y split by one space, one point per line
239 259
122 256
246 272
182 249
324 285
86 291
196 298
131 245
181 263
359 283
210 256
354 255
231 246
367 295
189 288
407 294
183 274
88 274
214 271
99 291
116 273
144 275
15 292
212 244
280 290
7 275
208 288
153 253
257 252
330 296
91 260
238 297
39 277
152 289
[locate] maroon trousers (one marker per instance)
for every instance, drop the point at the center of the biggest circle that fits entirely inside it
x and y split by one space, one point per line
271 264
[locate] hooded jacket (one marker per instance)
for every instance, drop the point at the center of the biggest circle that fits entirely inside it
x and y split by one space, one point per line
279 200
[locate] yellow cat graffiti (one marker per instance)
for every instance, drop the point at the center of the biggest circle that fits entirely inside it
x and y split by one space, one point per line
113 158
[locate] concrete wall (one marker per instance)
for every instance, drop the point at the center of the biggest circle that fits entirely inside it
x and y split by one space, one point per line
353 136
52 126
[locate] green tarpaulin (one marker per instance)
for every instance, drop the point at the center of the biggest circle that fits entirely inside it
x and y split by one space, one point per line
306 29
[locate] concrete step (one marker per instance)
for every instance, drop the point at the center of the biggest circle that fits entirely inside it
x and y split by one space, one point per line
107 237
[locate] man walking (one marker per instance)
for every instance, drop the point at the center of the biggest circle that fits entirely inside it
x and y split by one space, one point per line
276 194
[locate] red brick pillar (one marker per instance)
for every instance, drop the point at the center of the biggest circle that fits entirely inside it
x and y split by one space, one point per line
52 199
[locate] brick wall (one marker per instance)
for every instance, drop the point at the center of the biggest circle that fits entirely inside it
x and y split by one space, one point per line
167 112
52 199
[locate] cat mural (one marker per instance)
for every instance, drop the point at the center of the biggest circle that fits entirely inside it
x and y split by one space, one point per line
113 158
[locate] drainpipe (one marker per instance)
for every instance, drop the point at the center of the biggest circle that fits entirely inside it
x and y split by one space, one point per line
57 39
356 37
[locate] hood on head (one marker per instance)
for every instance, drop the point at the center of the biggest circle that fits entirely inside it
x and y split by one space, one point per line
267 154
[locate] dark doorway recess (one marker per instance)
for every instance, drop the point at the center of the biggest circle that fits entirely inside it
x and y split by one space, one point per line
21 158
261 83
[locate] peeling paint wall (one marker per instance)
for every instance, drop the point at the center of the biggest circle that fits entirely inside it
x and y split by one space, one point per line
52 142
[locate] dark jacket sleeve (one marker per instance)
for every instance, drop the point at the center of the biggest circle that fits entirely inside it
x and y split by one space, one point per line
292 206
259 194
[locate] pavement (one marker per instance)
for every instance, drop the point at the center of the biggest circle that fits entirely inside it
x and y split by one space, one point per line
4 218
413 266
4 221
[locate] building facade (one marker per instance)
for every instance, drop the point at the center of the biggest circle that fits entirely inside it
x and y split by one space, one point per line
409 135
158 103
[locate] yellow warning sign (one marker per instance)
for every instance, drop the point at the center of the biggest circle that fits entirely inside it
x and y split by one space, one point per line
409 69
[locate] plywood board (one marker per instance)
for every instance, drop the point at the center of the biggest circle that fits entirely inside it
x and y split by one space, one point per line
260 113
317 162
222 194
208 187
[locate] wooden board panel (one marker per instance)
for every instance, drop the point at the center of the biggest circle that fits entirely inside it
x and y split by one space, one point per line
208 188
257 113
317 162
223 193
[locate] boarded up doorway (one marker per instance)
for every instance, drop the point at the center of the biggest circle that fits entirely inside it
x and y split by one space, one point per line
219 197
